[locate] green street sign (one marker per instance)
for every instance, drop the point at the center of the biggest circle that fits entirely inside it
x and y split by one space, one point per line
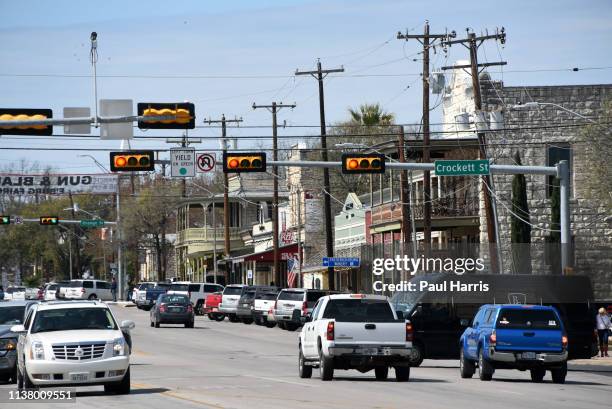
461 167
91 224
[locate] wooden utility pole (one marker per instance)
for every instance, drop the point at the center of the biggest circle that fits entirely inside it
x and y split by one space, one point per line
404 193
319 75
428 40
473 42
274 108
226 209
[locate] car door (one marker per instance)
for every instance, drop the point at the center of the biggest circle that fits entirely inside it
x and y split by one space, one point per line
21 340
310 336
472 335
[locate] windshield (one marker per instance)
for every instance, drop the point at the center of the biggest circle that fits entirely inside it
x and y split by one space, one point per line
65 319
291 295
179 287
232 291
513 318
52 287
11 315
268 296
359 310
163 285
76 284
175 298
15 290
145 286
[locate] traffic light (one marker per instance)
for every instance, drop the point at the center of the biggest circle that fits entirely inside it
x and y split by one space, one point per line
5 219
244 162
49 220
132 161
363 163
18 114
184 113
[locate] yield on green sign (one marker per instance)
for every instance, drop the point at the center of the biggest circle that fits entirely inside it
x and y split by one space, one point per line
91 224
461 167
182 162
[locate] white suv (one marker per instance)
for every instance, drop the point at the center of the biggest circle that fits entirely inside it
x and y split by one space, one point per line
89 290
197 292
73 344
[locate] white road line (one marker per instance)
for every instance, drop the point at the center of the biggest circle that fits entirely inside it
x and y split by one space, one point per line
282 381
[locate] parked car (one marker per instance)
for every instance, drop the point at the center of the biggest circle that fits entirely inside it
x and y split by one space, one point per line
141 287
211 306
62 287
290 299
172 309
49 291
515 337
89 290
11 313
15 293
72 343
31 293
197 292
246 304
147 297
355 331
439 317
229 300
263 304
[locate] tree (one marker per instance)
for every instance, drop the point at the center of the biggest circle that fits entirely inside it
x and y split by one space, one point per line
370 115
520 229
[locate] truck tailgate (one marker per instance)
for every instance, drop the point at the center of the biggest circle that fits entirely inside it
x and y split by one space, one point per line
537 340
375 333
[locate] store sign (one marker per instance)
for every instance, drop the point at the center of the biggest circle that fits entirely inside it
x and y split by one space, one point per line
56 184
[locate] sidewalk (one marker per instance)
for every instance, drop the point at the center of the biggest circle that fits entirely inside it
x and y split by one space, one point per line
594 364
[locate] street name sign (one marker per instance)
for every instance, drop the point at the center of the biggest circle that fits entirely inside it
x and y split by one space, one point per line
182 162
91 224
340 261
461 167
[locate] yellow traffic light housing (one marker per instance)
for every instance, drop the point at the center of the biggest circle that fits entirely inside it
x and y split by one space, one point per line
132 161
17 114
5 219
244 162
49 220
356 163
183 114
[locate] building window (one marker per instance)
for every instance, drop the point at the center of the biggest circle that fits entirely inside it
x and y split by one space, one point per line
235 215
554 154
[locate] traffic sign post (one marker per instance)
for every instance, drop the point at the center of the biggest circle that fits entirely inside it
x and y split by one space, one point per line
461 167
340 261
182 162
206 162
91 224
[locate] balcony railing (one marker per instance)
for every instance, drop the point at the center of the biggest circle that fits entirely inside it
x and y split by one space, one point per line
443 207
206 234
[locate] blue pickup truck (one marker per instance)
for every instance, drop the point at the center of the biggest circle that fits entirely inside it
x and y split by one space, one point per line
524 337
146 299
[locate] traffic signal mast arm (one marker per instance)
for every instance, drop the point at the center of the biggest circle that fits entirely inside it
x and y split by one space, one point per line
61 221
89 120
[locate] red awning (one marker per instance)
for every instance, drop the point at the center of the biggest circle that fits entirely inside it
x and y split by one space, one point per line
285 252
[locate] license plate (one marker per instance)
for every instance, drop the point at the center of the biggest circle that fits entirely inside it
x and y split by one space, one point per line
79 377
528 355
175 309
370 351
385 351
214 309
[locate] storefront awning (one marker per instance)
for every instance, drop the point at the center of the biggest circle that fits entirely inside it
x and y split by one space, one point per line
285 253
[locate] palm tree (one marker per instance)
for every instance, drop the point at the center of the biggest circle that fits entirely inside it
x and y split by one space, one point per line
370 114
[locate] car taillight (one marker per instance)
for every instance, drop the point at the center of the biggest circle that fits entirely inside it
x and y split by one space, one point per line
564 341
409 332
330 331
82 290
493 338
162 308
304 308
190 308
40 294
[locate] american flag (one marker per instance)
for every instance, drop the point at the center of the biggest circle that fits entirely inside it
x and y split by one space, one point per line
292 267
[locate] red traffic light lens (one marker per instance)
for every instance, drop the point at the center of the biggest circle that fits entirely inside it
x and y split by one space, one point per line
353 164
120 161
233 163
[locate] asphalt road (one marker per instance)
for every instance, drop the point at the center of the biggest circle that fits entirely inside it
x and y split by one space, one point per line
225 365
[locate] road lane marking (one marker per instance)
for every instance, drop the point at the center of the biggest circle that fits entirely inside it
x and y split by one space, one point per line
175 395
281 380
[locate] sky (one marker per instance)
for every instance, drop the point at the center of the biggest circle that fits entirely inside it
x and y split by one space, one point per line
224 56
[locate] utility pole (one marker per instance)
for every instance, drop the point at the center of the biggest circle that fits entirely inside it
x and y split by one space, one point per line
319 75
226 210
428 41
274 108
75 237
404 194
473 42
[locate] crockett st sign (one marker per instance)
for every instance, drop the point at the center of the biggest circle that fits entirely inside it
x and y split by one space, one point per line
56 184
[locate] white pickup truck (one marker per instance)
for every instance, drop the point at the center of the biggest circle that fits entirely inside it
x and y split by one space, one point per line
355 331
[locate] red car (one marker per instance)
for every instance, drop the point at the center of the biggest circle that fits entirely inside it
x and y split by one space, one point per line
211 306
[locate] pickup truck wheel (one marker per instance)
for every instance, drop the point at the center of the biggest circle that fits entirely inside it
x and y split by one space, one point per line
281 325
537 374
233 318
402 373
417 355
485 369
219 317
304 370
198 307
270 324
382 373
247 321
466 366
559 374
91 297
290 326
326 367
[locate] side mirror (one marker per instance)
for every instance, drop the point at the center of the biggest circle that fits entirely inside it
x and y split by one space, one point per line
127 325
18 329
400 315
308 317
464 322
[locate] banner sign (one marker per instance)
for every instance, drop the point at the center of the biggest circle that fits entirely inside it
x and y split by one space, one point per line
56 184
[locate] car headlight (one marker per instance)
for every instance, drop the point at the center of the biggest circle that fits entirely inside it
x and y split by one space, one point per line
37 351
8 344
118 347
